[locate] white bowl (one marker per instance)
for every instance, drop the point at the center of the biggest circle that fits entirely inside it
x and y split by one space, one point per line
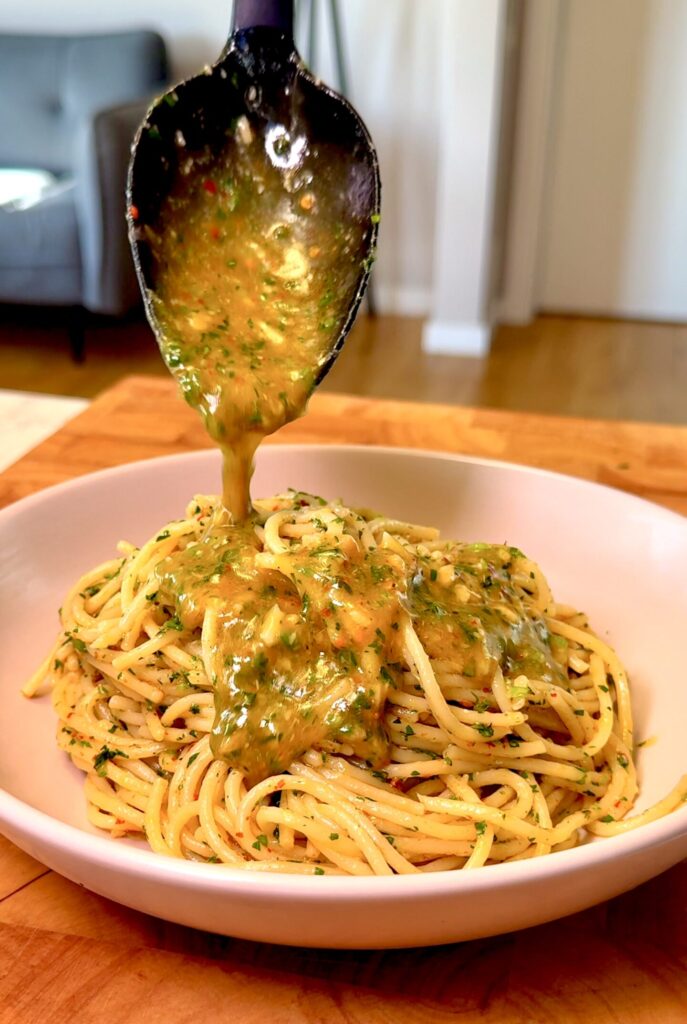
620 558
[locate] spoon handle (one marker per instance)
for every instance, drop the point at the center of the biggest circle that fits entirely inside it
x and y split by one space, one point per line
264 13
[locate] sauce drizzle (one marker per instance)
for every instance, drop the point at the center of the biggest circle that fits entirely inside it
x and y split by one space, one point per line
257 261
257 255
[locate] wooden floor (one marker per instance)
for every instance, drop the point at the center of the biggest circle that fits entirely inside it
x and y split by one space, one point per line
566 365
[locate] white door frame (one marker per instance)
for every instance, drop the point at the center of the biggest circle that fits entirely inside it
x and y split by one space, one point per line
470 56
537 85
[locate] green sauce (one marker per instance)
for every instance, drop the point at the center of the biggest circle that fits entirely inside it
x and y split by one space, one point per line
493 629
319 674
257 262
306 643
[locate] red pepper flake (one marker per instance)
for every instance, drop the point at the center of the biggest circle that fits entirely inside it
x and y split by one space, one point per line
239 835
178 723
119 821
210 186
214 232
133 211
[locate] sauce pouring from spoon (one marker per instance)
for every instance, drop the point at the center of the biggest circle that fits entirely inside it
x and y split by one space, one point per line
253 204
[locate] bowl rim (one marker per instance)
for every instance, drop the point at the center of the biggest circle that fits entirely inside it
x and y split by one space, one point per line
131 857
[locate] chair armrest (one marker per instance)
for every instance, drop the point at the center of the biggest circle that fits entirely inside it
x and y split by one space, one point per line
104 148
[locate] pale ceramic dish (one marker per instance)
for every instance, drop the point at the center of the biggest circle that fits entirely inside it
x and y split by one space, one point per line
621 559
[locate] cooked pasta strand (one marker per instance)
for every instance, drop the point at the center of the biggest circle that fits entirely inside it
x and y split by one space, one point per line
411 746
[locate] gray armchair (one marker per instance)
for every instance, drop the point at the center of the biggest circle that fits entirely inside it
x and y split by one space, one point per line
70 105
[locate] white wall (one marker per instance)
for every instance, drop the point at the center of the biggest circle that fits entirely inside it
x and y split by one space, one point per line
404 58
392 67
426 78
393 72
614 218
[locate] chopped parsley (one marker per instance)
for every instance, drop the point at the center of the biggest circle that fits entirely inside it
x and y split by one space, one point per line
77 642
484 730
173 623
104 755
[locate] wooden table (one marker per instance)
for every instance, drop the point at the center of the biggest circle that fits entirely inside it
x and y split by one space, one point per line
67 954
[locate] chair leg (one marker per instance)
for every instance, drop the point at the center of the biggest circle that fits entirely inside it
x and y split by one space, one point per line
77 333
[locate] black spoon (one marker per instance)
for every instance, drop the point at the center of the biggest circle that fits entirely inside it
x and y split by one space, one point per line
253 203
260 88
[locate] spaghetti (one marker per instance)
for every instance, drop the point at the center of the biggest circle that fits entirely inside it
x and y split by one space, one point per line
322 690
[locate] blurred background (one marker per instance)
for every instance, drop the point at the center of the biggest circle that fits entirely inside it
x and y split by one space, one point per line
534 222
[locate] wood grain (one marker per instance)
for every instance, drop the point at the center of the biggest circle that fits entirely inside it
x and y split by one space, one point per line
17 869
593 968
564 365
66 953
142 417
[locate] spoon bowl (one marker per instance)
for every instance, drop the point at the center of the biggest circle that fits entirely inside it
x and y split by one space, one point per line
255 156
253 209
